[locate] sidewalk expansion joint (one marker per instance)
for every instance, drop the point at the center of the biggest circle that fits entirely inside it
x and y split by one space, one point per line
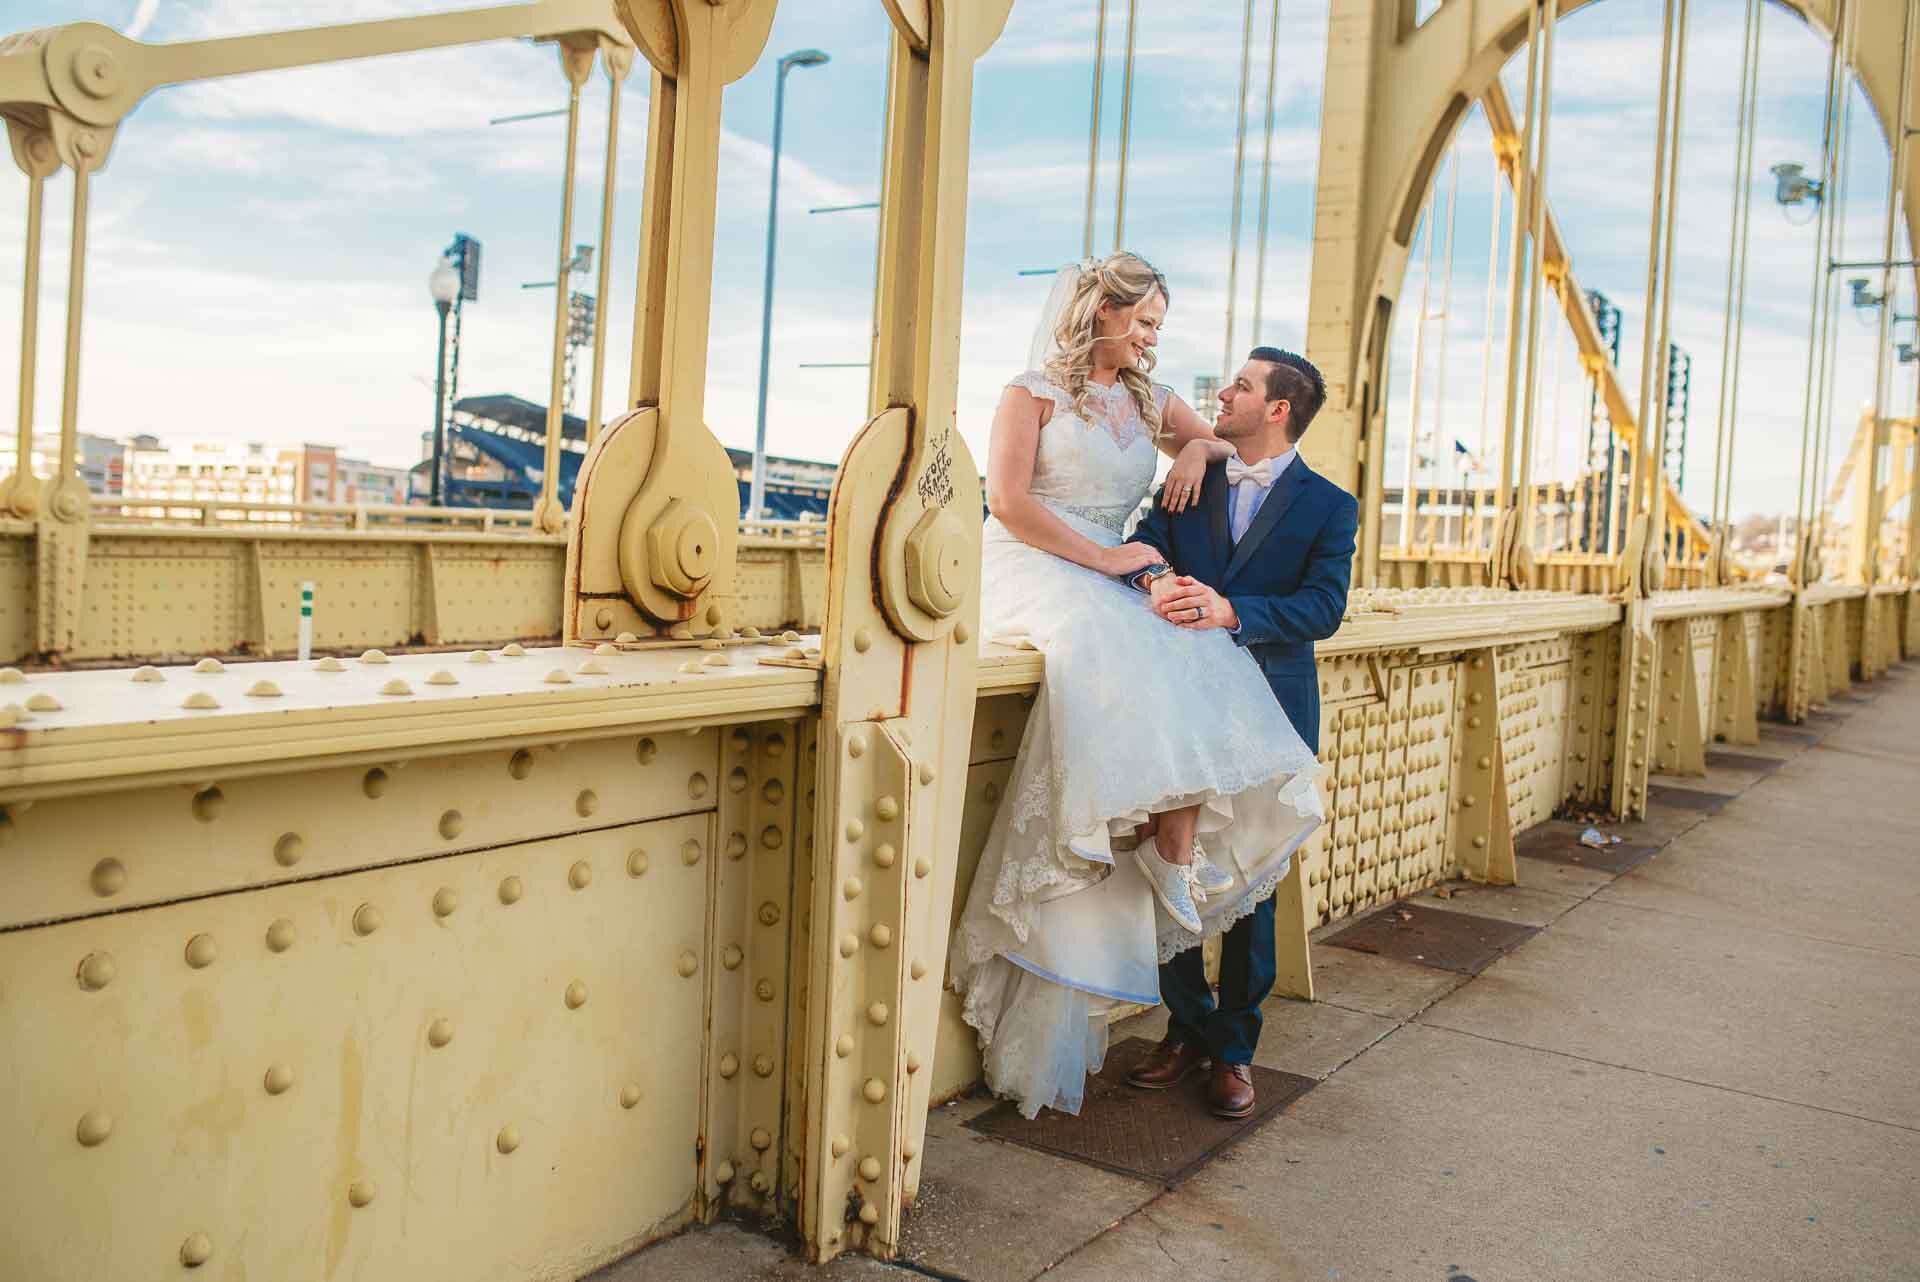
1672 1077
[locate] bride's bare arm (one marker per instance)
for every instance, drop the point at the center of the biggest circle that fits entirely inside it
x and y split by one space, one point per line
1190 442
1010 455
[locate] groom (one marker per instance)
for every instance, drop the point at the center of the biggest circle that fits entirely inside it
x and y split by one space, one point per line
1266 554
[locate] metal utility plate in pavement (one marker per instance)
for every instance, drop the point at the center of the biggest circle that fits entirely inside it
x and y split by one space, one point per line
1432 937
1686 798
1560 846
1743 761
1163 1136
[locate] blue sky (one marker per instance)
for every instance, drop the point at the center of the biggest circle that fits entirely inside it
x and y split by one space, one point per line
260 246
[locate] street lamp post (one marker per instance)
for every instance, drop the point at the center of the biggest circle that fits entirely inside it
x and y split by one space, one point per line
757 497
442 285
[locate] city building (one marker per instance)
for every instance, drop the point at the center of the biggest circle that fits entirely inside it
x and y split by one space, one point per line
1206 393
203 471
99 459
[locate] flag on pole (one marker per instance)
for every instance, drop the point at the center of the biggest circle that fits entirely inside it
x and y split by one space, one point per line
1467 459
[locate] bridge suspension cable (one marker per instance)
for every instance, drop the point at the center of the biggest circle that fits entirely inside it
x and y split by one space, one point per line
1869 537
1836 251
1651 438
1486 344
1408 485
1126 130
1733 325
1093 127
1822 280
1239 180
1445 318
1536 260
1266 177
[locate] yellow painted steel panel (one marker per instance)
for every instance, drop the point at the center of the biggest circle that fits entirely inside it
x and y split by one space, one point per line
474 1067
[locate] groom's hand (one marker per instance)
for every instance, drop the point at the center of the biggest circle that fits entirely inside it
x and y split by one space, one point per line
1183 600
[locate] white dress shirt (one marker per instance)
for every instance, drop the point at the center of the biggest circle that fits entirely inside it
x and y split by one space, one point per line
1249 494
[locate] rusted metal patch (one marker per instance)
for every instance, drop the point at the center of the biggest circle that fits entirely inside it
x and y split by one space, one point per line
1709 803
1562 846
1743 761
1163 1136
1459 942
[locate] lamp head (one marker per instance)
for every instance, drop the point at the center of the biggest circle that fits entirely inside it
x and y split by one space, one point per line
803 58
443 283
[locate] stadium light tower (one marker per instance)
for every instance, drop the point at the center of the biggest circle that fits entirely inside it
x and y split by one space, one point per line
757 496
442 284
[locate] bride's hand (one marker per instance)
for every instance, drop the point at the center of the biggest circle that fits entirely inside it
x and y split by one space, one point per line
1182 489
1126 559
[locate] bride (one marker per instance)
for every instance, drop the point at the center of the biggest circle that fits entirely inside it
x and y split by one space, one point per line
1151 746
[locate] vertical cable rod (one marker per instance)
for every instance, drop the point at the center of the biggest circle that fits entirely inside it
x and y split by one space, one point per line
1266 175
1093 128
1445 317
1409 490
1239 176
1126 131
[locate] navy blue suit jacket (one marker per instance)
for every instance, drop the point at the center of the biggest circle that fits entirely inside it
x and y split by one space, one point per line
1287 577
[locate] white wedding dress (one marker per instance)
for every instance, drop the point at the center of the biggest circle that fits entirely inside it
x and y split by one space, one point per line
1135 717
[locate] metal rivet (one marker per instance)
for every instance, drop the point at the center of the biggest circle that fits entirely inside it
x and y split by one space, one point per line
908 1150
840 1145
508 1139
961 633
93 1128
921 867
441 677
737 779
769 913
926 773
884 854
862 640
580 875
771 837
576 995
645 751
280 935
288 850
361 1192
366 919
855 830
887 809
196 1250
208 803
869 1168
558 677
881 935
199 700
201 951
869 1214
396 687
877 1014
374 782
764 990
109 877
729 1064
697 786
510 889
439 1032
520 764
209 666
279 1079
636 863
763 1065
913 1062
258 690
690 852
451 824
147 674
723 1173
843 1045
445 901
875 1090
731 956
687 964
760 1140
849 945
773 792
856 744
851 887
918 969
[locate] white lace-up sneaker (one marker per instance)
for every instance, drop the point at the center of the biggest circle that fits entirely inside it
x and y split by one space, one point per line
1209 878
1171 885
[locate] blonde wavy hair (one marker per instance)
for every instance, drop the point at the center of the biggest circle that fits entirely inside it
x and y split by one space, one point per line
1124 280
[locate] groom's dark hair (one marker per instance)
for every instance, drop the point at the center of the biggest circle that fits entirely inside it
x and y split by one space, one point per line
1292 378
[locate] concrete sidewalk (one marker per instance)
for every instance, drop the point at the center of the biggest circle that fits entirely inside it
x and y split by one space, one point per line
1706 1068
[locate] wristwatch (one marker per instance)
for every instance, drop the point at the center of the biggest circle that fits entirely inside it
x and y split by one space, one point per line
1142 580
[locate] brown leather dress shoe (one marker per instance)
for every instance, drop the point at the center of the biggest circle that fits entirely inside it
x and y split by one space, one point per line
1230 1090
1167 1065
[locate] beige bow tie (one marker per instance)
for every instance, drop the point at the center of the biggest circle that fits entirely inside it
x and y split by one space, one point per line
1260 473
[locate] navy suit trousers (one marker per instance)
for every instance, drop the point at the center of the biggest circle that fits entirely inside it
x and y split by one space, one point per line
1230 1028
